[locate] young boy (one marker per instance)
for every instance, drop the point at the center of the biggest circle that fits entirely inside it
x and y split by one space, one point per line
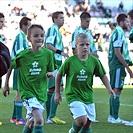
34 65
20 43
80 69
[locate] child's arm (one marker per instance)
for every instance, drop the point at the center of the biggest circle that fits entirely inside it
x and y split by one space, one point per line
57 97
6 89
107 85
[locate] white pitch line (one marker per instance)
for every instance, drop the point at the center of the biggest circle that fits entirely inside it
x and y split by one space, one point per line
129 105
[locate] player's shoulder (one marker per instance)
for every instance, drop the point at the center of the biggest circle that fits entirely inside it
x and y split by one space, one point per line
47 51
93 58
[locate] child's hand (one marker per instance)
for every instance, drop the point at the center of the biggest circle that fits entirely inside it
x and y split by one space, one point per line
50 74
6 90
57 98
111 92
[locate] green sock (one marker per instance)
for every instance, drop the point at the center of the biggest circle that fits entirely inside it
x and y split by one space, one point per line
38 129
75 127
26 129
18 110
14 111
86 130
114 106
54 106
48 103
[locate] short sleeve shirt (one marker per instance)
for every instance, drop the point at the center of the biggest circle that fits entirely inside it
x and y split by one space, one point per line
79 78
117 40
131 36
53 37
20 43
33 66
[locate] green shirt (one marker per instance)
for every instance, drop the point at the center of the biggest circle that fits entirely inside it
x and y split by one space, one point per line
33 67
118 40
80 30
131 36
79 78
20 43
53 37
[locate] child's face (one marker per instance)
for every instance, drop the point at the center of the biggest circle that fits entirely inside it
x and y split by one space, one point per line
83 46
36 38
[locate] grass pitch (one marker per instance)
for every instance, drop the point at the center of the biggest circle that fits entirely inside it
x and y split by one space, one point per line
102 111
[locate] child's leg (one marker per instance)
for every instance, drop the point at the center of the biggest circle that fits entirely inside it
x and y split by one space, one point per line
87 127
75 128
38 129
26 129
38 121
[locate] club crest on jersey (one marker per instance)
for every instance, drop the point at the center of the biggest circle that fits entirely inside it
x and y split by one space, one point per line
82 76
35 70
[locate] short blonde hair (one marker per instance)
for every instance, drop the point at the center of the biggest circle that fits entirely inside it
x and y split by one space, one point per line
81 36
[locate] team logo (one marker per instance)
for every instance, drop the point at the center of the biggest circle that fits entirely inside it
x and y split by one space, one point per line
35 70
82 76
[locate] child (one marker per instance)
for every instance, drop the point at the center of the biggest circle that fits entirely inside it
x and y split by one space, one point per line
80 69
35 64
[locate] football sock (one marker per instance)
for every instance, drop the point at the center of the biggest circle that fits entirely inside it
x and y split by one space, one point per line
26 129
18 110
14 111
38 129
114 106
75 127
86 130
53 106
48 103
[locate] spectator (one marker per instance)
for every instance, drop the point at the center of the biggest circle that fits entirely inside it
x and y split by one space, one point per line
107 12
121 7
83 6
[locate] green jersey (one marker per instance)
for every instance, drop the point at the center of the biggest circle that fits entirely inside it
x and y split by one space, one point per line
33 66
53 37
79 78
80 30
118 40
20 43
131 36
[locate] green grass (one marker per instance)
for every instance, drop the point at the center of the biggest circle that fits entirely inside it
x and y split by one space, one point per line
102 109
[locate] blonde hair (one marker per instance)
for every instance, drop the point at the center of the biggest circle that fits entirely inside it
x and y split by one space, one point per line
81 36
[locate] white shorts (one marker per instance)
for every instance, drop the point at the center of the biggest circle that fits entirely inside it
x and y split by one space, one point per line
30 104
80 109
